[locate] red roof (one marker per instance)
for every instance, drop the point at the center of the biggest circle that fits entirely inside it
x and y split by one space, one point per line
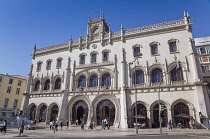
20 77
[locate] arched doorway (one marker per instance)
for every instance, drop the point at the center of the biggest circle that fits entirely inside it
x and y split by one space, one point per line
105 110
54 113
163 113
181 113
141 111
80 112
32 112
43 113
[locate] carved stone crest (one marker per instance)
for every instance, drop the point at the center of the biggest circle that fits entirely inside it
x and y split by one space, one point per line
94 46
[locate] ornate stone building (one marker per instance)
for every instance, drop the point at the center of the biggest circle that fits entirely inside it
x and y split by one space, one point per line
92 78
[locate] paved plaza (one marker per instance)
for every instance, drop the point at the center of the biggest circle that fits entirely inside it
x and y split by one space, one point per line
76 132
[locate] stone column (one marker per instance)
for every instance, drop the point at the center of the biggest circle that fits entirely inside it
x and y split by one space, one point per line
123 103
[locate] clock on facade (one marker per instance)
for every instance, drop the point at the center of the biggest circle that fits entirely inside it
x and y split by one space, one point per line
95 30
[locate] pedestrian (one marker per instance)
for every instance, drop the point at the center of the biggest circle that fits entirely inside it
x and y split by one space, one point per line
77 122
102 124
170 125
67 124
191 124
61 123
4 126
51 125
56 125
106 124
208 124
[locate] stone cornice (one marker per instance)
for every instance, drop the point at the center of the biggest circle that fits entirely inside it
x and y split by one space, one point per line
115 36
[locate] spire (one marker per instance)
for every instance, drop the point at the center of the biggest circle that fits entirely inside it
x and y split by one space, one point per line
34 51
122 26
71 38
102 15
89 18
80 36
188 15
185 14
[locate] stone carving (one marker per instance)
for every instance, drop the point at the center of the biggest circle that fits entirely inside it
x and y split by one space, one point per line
94 46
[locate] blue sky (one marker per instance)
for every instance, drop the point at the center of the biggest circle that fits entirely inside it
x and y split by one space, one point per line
24 23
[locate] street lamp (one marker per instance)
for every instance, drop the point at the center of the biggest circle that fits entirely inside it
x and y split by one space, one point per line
138 56
177 65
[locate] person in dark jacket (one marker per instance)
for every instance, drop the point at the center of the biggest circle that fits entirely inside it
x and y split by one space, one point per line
4 126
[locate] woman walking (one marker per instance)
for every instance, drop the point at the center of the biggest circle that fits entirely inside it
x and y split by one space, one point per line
4 126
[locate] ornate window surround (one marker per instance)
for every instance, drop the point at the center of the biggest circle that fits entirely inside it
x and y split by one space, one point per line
152 44
106 50
176 41
94 52
82 54
58 59
49 60
39 64
136 46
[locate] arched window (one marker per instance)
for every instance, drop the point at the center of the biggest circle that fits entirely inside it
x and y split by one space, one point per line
156 75
176 74
106 80
47 84
94 81
58 83
82 81
138 77
37 84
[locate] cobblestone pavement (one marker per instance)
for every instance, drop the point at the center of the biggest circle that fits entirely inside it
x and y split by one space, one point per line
76 132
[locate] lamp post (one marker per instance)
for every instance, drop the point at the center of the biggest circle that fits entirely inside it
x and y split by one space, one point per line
178 65
138 56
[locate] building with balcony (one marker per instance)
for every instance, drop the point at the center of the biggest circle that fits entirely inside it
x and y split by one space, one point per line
203 49
12 88
91 78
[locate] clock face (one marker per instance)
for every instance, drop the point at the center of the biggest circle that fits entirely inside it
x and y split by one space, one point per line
95 30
